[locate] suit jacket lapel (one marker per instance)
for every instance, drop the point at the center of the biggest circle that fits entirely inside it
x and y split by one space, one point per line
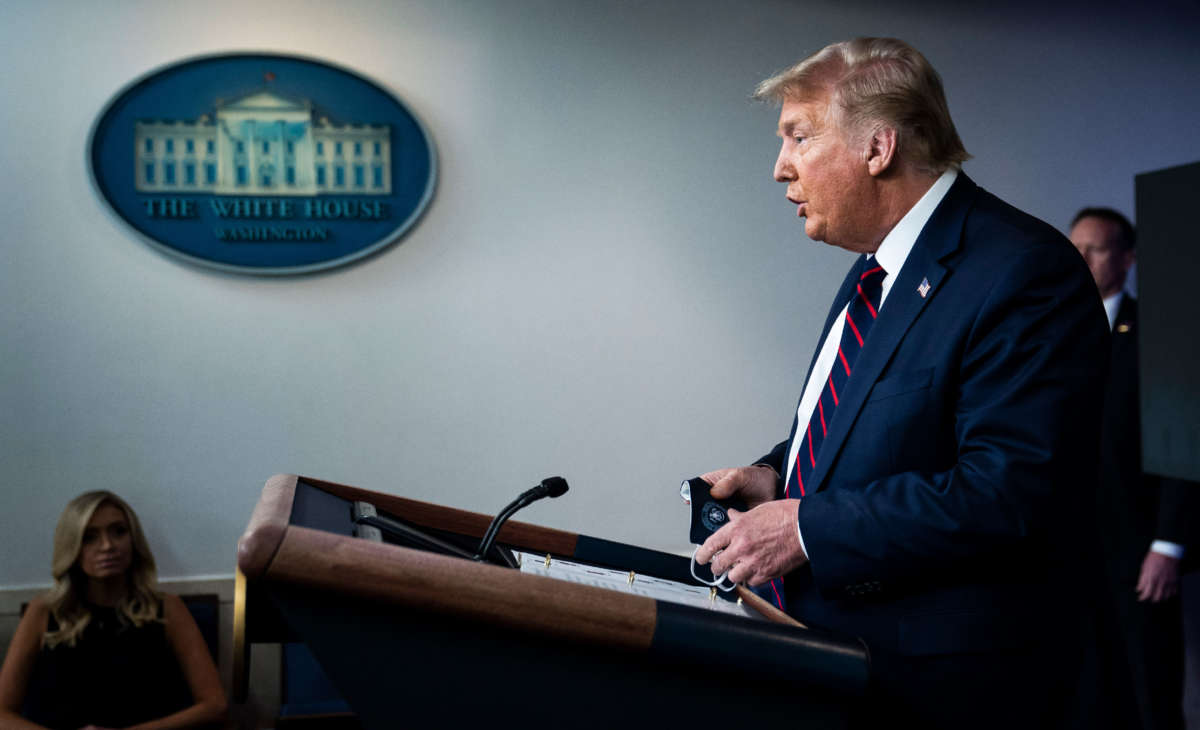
1126 317
939 238
1124 333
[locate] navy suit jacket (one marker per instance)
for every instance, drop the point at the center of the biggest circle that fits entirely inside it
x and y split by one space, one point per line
943 510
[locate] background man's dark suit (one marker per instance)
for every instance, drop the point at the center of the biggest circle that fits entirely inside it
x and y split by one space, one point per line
941 518
1145 639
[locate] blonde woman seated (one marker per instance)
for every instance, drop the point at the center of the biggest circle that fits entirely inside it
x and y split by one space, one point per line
103 648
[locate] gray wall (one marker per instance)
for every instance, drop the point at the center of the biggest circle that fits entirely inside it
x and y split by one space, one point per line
608 284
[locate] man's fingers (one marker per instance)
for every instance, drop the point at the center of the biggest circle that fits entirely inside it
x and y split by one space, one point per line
725 558
715 543
722 561
1143 588
757 580
726 486
715 476
738 573
1164 590
718 570
748 573
754 484
1149 590
722 564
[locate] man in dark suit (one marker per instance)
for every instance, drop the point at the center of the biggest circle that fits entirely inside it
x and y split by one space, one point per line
1142 517
929 496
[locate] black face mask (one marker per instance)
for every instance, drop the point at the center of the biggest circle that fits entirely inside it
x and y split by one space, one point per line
708 513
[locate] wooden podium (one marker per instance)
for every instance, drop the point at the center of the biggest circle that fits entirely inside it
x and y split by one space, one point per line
413 637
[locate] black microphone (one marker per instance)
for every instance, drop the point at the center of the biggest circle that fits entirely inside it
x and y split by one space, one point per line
550 487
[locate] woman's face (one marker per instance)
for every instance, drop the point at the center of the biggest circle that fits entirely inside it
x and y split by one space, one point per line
107 546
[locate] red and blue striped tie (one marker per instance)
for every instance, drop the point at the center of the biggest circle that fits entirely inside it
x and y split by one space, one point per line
860 317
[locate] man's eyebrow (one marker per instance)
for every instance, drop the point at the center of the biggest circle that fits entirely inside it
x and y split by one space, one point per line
789 125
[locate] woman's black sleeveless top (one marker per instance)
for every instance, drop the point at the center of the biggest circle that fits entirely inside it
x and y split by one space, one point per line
116 675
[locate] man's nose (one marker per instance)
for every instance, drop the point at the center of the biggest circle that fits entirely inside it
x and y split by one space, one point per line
784 172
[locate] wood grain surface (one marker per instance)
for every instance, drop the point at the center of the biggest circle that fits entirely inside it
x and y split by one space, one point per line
268 523
463 588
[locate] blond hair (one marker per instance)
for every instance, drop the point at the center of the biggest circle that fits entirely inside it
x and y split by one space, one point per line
65 600
878 81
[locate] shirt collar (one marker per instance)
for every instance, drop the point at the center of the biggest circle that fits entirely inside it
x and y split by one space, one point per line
1112 305
897 244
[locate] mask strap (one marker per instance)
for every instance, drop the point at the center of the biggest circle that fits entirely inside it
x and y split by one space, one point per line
720 579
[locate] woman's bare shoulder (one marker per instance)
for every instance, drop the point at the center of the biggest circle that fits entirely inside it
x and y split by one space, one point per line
38 608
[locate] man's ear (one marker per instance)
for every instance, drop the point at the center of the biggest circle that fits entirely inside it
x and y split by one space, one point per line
881 150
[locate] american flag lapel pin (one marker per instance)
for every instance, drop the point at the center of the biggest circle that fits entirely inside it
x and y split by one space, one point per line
923 290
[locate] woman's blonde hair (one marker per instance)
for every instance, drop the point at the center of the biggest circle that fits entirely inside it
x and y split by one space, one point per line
65 599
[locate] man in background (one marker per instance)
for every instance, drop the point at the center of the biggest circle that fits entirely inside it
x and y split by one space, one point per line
1142 518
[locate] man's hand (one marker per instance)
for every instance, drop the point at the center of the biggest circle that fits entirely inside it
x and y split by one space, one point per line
754 484
1159 579
757 545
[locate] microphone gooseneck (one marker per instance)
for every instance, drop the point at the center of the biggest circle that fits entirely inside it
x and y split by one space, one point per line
550 487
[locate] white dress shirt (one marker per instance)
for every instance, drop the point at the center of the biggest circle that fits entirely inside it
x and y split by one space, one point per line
891 255
1112 305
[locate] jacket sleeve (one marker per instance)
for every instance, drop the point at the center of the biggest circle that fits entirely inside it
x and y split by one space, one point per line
776 457
1177 505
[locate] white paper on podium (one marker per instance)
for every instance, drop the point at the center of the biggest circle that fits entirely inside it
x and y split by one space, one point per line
626 581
